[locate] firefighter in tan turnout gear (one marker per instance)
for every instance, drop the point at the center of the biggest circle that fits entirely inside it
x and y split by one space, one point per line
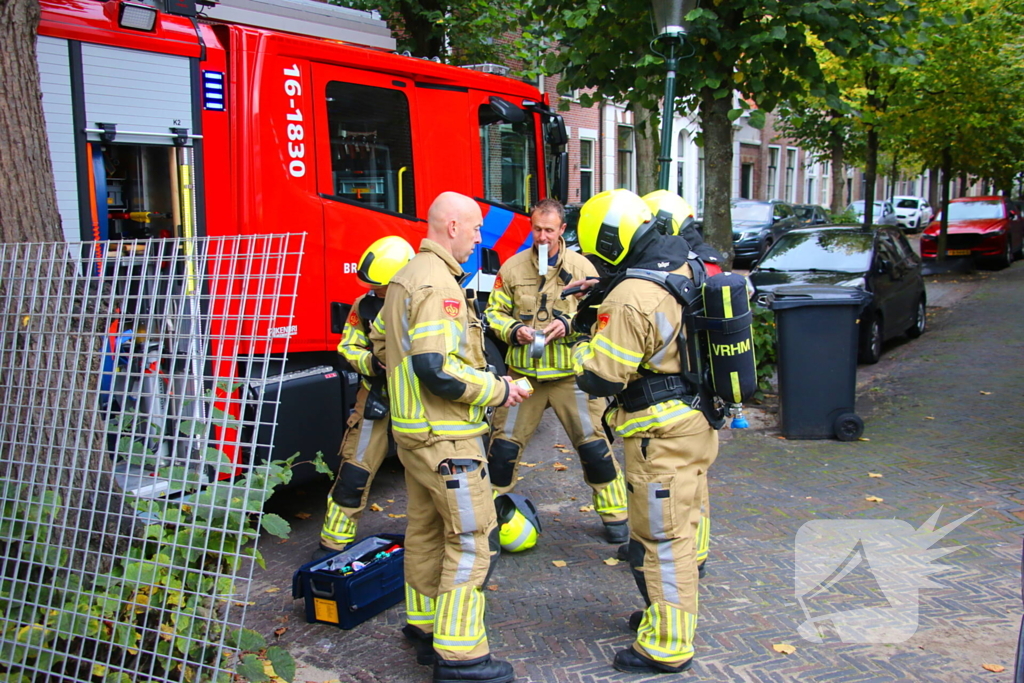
366 440
634 354
440 390
527 312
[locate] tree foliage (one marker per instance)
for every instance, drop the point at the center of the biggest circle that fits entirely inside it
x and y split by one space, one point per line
762 51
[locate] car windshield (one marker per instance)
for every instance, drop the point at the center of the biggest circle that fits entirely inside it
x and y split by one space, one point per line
804 212
906 204
840 250
858 206
968 211
752 212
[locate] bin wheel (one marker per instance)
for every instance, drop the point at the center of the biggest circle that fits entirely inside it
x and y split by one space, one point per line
848 427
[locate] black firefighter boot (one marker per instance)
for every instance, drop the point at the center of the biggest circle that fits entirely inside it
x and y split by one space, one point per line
423 642
480 670
631 661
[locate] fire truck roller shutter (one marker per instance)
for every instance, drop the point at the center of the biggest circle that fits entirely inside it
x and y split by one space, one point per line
140 92
55 82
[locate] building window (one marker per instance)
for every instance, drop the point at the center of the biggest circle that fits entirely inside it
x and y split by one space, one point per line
790 175
681 164
624 169
773 173
586 169
746 181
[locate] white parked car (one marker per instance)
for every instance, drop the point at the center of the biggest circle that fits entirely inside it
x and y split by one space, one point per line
912 213
883 213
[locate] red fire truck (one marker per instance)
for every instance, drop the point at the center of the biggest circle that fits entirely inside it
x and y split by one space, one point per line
177 118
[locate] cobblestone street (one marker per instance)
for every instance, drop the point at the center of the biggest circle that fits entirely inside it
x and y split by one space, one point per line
943 427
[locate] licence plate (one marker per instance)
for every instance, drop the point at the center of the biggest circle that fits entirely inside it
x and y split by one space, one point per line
958 252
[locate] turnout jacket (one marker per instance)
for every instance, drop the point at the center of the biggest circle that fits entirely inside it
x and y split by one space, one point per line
355 346
636 333
437 378
521 296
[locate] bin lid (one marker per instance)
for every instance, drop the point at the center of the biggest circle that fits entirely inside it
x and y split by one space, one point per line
798 296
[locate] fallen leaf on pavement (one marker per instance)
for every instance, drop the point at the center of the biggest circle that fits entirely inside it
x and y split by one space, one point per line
874 499
558 563
273 589
391 500
395 516
303 515
611 561
928 417
875 475
492 587
586 508
985 393
863 438
784 648
280 631
565 450
559 445
519 478
560 467
375 507
994 668
528 464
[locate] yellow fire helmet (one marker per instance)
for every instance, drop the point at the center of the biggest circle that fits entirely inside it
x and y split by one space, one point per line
383 259
668 205
611 223
518 524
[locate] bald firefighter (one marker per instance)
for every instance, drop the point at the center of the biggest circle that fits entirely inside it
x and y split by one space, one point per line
636 353
440 390
525 307
365 444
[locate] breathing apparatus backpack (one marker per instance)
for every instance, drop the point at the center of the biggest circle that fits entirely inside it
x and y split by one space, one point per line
720 367
376 406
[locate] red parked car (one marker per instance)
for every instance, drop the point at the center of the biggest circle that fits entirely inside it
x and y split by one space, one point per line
989 228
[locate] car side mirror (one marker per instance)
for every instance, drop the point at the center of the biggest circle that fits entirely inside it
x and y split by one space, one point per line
1013 215
490 264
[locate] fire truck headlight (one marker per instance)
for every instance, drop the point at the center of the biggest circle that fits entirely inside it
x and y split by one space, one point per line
136 16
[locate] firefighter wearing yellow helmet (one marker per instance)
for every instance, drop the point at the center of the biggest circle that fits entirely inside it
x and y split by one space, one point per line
676 218
636 353
366 440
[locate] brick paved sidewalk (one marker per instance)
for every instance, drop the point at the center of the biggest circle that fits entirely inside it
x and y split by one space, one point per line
944 428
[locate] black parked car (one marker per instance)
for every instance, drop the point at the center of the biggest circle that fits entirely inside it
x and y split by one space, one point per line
812 214
879 261
757 225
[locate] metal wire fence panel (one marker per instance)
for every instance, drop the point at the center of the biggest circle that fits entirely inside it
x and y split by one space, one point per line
129 489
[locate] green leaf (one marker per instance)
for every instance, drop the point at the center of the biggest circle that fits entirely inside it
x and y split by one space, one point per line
117 677
275 525
247 640
192 427
757 119
251 669
282 661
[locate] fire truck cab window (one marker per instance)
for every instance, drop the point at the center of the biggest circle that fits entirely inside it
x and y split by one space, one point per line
509 160
371 147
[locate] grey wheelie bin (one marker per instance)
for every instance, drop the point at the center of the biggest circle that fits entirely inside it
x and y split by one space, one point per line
817 360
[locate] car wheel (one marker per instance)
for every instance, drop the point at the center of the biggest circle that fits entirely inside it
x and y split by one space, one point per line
1007 258
871 341
920 321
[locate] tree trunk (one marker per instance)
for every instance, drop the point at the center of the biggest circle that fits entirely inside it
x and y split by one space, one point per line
648 144
933 187
870 175
940 245
28 203
714 114
837 155
44 410
893 175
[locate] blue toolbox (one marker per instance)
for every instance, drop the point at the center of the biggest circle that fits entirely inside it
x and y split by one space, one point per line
349 587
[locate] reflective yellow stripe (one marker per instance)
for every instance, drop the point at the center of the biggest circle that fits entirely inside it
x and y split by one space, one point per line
666 633
616 352
703 538
611 500
428 329
659 415
459 621
419 609
734 378
726 302
338 529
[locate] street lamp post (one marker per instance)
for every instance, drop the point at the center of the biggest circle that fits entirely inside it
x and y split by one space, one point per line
670 23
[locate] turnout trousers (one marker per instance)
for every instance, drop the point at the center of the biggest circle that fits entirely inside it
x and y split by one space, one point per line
451 543
580 416
664 480
363 449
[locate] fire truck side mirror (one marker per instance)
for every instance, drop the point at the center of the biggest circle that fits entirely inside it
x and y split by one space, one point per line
554 131
489 261
506 111
560 184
